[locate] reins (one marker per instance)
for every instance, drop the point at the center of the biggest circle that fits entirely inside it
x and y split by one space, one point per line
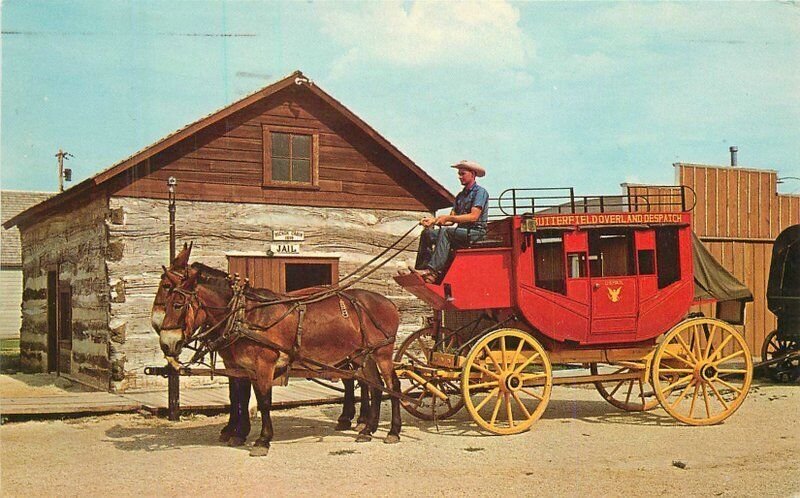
236 326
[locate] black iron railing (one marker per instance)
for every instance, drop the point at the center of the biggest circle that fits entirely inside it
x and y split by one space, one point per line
557 200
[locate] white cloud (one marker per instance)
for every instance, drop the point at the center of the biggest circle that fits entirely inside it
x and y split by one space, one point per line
427 33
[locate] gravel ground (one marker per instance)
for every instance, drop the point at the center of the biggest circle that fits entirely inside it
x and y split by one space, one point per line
581 446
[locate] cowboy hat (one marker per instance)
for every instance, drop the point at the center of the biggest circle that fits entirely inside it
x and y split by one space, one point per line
470 165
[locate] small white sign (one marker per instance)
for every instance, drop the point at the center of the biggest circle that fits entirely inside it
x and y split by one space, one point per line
285 248
288 235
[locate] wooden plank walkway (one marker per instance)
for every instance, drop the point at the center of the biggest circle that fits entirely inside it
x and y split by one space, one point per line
67 404
300 392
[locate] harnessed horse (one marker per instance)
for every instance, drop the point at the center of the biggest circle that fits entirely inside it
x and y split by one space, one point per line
237 429
260 331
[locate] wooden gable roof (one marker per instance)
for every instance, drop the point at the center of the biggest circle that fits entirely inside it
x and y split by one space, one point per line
111 179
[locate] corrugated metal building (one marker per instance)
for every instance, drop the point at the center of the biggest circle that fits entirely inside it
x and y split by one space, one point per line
11 204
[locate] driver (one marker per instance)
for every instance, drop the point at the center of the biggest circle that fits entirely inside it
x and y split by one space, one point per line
465 224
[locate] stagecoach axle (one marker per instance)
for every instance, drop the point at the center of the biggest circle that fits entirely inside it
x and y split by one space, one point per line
788 356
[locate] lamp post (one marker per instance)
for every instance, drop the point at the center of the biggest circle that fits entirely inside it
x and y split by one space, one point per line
171 184
173 379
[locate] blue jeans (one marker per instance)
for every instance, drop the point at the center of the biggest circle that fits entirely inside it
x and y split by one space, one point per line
435 244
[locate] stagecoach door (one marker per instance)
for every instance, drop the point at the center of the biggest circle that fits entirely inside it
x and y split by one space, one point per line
613 282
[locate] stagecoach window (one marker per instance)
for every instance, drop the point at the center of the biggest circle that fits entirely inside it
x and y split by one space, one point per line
611 253
289 156
548 253
667 252
576 262
647 262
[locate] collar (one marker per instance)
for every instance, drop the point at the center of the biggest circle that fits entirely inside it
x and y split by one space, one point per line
466 190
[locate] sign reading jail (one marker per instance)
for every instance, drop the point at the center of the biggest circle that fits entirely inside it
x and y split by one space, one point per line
285 248
288 235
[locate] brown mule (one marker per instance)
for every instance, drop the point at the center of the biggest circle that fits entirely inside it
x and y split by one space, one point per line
237 429
358 326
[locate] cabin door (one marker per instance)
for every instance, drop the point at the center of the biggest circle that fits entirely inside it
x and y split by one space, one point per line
613 283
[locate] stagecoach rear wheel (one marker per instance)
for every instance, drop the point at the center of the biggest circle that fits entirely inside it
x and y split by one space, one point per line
632 395
773 347
416 350
702 371
506 381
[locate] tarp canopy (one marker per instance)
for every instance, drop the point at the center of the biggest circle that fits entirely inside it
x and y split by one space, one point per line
712 280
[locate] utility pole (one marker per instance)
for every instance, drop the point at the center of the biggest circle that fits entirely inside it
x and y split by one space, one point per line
61 171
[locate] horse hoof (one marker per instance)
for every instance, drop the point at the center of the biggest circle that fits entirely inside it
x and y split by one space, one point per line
343 425
224 437
259 451
391 439
235 441
360 427
363 438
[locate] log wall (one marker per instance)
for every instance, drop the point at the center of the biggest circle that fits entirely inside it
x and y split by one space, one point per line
138 229
75 242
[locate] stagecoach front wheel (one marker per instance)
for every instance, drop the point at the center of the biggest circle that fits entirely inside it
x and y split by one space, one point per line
418 376
631 395
702 371
506 381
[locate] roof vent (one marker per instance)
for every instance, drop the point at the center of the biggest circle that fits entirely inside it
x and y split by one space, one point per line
734 149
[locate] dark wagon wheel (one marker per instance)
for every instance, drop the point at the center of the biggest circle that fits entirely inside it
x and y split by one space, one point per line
631 395
773 348
416 351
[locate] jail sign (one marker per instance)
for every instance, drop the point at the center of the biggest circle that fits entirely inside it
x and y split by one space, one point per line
284 248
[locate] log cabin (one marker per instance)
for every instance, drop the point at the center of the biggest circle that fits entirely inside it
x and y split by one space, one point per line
285 186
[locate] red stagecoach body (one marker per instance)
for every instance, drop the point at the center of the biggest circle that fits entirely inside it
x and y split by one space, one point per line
576 279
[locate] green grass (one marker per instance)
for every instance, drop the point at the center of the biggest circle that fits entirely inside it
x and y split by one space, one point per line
9 355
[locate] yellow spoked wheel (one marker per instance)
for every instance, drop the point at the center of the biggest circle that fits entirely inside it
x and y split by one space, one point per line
416 351
506 381
702 371
632 395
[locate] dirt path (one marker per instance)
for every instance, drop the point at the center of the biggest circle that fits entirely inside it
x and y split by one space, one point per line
581 447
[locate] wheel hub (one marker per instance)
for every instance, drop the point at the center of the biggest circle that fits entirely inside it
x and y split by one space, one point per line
511 382
708 372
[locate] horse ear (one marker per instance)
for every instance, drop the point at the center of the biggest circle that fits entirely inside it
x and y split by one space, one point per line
182 259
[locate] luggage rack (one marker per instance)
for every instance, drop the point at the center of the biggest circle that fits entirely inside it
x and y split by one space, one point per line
562 200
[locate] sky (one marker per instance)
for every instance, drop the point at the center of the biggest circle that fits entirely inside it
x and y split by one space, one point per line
543 94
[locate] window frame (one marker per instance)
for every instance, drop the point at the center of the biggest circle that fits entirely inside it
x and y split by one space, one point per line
267 181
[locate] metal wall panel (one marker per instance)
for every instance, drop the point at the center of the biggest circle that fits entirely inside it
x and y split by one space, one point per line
10 297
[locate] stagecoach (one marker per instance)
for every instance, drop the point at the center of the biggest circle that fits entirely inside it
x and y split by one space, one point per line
780 349
567 289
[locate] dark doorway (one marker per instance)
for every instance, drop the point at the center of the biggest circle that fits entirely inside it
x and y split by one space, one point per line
300 276
64 327
52 321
